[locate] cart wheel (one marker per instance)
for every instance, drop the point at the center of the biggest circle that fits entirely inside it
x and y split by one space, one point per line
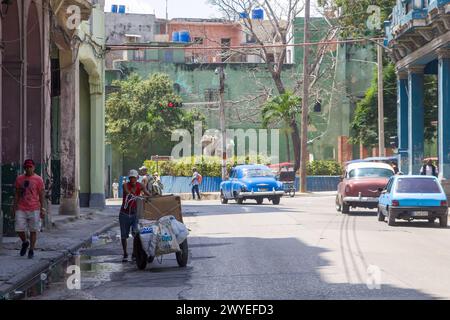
141 255
182 256
292 192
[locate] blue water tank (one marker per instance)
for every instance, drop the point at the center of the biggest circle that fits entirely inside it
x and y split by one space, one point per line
175 36
258 14
114 8
121 9
185 36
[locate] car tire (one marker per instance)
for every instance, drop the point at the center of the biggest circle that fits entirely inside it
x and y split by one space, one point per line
345 208
391 218
443 221
338 204
431 220
276 200
380 215
223 200
239 200
259 200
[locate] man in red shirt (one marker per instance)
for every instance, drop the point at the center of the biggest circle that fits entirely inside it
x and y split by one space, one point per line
28 206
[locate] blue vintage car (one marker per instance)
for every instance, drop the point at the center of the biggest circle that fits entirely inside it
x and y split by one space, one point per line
251 182
413 198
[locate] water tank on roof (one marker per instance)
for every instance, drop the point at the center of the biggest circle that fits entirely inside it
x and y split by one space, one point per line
175 36
185 36
121 9
258 14
114 8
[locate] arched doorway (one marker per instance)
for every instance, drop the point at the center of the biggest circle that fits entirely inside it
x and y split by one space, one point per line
34 108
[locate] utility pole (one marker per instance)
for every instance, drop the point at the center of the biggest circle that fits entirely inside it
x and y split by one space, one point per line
222 120
380 101
167 18
304 128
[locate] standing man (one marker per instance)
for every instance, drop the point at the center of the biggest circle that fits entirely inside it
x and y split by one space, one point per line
429 169
128 218
143 176
115 187
195 183
29 207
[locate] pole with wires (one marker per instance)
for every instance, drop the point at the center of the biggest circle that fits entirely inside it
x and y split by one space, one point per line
222 120
304 124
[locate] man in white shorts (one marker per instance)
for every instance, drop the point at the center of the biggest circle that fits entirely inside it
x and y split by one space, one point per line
28 206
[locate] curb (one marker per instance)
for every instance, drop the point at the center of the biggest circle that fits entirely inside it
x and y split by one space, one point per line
43 266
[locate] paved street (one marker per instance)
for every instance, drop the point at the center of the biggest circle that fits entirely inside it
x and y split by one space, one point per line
301 249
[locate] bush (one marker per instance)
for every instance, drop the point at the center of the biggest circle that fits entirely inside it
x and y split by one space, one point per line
324 168
207 166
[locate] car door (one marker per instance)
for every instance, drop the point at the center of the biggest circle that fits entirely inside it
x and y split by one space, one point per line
230 183
385 195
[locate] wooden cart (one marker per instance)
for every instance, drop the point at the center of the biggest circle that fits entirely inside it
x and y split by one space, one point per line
155 208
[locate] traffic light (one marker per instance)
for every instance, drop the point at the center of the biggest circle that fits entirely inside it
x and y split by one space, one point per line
318 106
174 104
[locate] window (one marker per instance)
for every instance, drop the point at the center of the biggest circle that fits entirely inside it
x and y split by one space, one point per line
198 40
371 173
417 185
389 185
211 95
139 55
226 42
258 172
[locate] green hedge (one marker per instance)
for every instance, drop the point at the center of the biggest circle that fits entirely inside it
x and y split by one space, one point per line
211 166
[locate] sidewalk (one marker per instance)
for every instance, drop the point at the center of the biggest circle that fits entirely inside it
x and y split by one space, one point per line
67 235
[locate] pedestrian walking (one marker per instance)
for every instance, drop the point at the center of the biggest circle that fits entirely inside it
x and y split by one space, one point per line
195 182
429 169
115 187
394 166
128 218
29 207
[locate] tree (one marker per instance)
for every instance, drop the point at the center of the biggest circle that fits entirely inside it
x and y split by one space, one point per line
281 15
284 107
138 114
364 125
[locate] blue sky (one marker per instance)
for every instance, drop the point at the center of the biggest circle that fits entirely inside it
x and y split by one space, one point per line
176 8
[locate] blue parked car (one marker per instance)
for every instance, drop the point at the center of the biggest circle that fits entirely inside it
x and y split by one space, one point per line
413 198
251 182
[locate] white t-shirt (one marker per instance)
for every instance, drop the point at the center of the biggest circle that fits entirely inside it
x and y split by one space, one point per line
115 186
195 179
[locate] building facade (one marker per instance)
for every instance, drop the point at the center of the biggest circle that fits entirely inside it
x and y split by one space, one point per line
418 41
43 49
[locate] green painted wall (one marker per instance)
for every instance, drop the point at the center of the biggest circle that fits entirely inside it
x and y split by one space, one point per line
85 132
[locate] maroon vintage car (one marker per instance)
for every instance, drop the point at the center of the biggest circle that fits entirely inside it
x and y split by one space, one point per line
360 183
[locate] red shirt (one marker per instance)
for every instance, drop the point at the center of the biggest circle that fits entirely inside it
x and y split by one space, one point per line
130 205
29 188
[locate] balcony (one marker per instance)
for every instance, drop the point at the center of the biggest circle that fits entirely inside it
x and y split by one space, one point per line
414 23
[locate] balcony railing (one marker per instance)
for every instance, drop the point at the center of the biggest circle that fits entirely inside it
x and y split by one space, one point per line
409 14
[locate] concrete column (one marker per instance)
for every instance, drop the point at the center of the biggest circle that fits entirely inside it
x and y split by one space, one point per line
402 120
444 113
415 118
70 108
97 164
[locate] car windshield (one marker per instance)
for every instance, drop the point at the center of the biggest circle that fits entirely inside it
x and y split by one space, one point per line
417 185
371 173
258 172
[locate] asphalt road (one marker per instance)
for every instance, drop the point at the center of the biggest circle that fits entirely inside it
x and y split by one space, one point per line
300 249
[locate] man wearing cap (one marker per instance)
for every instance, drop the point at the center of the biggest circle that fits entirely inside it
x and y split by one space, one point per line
128 218
28 206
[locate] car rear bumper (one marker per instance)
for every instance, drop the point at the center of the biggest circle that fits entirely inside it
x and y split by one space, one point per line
372 200
260 194
413 212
